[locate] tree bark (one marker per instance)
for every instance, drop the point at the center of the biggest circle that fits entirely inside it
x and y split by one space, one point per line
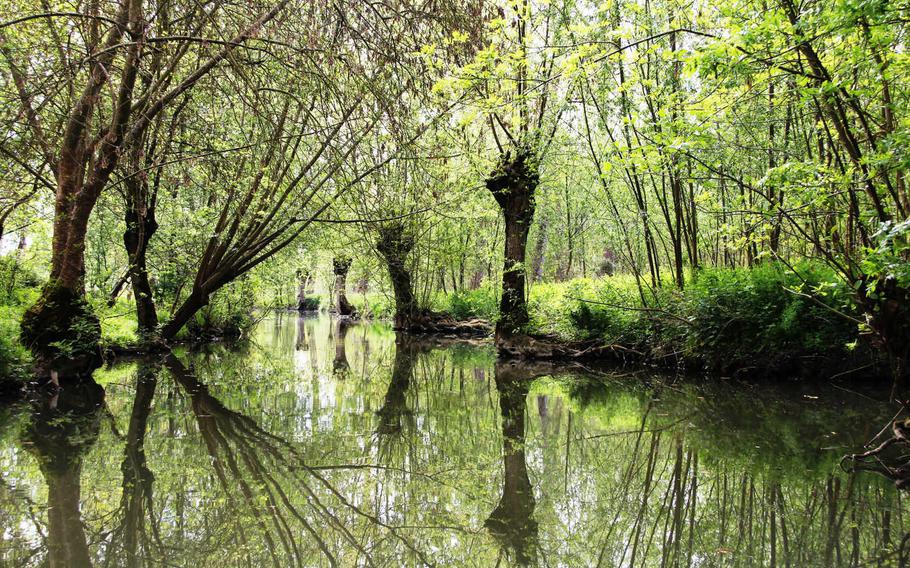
140 227
513 184
395 245
195 302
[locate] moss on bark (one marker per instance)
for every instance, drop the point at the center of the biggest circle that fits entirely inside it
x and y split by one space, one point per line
62 331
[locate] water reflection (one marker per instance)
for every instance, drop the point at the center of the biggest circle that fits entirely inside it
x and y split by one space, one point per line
427 453
512 521
395 406
62 427
136 536
340 365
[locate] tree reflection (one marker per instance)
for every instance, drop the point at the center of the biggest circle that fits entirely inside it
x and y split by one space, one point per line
340 366
136 502
60 431
260 463
302 343
512 521
279 489
395 405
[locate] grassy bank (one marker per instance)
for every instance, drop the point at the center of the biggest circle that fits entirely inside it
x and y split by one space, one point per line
764 320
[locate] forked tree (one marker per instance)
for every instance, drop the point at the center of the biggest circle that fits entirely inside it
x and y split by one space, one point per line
109 110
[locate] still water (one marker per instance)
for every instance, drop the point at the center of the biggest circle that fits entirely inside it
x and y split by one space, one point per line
317 444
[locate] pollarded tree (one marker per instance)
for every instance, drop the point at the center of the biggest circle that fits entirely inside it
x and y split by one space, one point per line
305 139
515 89
341 265
394 244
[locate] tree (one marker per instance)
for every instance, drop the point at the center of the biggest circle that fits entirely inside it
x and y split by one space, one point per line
94 133
516 94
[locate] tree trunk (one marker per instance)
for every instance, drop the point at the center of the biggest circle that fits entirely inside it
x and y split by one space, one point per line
60 328
513 184
195 302
140 227
62 331
340 267
395 245
305 300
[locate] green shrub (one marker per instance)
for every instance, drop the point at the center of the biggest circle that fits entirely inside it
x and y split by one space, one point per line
373 305
14 357
230 313
482 303
309 304
118 322
609 309
721 316
746 313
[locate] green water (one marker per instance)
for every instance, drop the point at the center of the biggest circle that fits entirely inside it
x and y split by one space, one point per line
318 445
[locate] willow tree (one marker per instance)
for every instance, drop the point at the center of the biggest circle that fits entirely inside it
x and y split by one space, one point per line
394 217
514 89
100 53
308 138
341 265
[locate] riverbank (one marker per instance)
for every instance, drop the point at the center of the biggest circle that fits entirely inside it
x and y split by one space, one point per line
766 322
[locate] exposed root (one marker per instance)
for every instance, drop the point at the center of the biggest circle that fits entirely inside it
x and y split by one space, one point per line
432 322
525 346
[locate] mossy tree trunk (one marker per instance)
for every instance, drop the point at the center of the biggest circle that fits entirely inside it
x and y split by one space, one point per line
60 328
395 244
513 184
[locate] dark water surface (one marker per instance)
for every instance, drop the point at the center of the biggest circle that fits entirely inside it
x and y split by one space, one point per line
320 445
